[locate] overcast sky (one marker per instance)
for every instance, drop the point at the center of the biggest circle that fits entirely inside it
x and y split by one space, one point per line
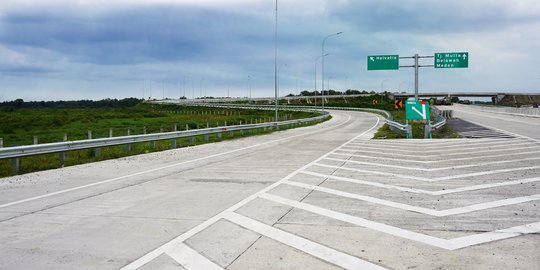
94 49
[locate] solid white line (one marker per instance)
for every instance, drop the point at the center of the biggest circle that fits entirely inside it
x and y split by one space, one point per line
437 161
162 168
317 250
471 240
458 143
422 238
429 179
374 172
451 244
421 210
498 129
433 169
437 151
419 154
434 193
190 259
181 238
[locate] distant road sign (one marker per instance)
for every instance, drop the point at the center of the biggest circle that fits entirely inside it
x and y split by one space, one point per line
375 101
398 104
417 110
452 60
383 62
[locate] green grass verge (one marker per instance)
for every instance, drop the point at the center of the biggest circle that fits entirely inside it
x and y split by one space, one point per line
155 118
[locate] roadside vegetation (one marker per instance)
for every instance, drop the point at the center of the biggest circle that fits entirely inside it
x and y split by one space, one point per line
46 122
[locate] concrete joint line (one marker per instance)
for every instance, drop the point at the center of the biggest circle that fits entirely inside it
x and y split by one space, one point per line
417 209
451 244
422 191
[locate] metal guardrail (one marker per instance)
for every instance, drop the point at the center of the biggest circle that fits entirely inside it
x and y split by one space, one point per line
15 153
394 126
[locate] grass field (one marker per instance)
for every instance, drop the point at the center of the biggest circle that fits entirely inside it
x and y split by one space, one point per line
19 127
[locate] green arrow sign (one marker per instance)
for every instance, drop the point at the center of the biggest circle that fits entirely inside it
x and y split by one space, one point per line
417 110
382 62
452 60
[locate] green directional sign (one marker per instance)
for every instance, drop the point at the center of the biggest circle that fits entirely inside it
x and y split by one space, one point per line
417 110
383 62
452 60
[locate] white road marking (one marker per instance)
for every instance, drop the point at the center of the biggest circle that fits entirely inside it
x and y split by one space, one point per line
435 179
317 250
498 129
434 169
420 155
422 238
181 238
428 192
451 244
425 152
438 161
471 240
190 259
417 209
458 143
164 167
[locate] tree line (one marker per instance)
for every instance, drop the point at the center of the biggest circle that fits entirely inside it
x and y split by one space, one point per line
104 103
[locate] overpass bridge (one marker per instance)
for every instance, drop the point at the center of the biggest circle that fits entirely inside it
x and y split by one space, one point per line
498 96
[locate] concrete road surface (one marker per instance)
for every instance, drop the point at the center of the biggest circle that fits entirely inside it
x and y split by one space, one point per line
321 197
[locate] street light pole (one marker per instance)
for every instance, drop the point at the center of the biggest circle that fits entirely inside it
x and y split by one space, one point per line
275 65
322 69
316 61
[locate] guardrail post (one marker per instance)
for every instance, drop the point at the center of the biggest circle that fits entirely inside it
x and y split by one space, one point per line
128 146
144 130
175 127
89 134
173 144
206 137
192 140
219 136
62 155
16 164
110 133
35 140
1 142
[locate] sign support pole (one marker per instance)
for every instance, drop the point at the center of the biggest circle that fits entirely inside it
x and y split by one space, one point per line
416 77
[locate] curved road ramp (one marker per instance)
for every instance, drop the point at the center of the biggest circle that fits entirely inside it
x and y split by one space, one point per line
319 197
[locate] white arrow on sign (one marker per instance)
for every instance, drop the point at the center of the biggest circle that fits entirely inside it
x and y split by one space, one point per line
464 56
423 113
371 58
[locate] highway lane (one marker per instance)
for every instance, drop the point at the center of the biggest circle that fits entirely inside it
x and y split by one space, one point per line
107 214
521 125
322 197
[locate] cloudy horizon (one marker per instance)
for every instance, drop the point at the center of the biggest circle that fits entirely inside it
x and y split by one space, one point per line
67 50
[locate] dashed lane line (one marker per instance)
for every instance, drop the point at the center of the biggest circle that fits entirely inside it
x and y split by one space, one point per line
317 250
451 244
422 191
417 209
